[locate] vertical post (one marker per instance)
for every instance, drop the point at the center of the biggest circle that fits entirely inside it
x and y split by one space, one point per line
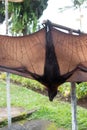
8 100
73 102
8 74
74 106
6 15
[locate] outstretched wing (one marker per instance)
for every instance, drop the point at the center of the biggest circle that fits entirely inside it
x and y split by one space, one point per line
71 53
23 55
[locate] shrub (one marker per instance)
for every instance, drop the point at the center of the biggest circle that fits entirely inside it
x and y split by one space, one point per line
64 89
26 82
81 90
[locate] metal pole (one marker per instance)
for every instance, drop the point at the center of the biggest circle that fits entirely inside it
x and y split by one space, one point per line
74 106
67 28
8 74
8 100
6 15
73 102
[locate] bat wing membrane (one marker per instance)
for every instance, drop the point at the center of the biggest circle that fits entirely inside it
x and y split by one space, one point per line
21 55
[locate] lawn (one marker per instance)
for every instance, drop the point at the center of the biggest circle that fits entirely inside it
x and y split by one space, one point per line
57 111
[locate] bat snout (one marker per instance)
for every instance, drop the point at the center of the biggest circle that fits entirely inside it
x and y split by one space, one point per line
52 94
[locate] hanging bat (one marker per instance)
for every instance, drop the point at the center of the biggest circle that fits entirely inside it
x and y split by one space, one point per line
49 56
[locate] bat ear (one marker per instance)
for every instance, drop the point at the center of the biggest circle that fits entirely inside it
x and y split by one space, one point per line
52 93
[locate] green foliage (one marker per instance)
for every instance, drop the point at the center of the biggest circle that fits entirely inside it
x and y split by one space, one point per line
78 2
2 92
52 127
56 111
26 82
29 83
64 89
2 12
81 90
75 4
24 16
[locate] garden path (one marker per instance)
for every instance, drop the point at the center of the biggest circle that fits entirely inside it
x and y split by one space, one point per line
33 125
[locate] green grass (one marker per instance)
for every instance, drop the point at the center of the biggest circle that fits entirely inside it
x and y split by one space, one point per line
56 111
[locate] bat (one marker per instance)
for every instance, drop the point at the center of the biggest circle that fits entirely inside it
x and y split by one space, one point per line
49 56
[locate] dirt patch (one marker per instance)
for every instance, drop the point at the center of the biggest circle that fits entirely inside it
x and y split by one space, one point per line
15 111
17 114
82 102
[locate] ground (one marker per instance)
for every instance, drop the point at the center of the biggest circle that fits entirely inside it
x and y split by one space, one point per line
29 125
33 125
82 102
37 124
14 111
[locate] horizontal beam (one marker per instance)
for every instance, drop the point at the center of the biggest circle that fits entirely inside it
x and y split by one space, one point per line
67 28
15 0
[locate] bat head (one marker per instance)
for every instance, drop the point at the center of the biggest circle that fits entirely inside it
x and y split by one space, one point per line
52 92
